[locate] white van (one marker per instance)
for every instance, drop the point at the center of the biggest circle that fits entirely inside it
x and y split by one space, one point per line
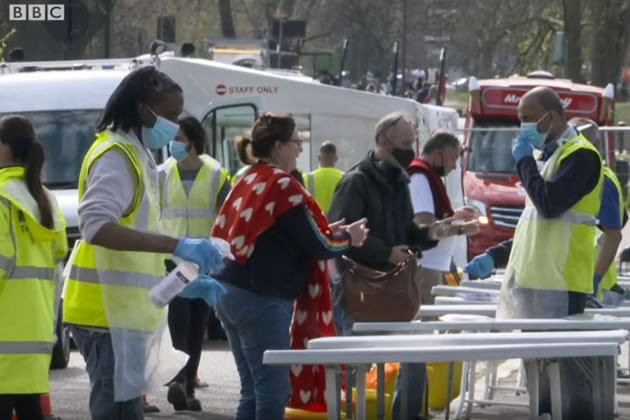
65 101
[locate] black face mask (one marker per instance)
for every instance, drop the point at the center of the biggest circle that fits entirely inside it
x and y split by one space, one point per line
403 156
439 170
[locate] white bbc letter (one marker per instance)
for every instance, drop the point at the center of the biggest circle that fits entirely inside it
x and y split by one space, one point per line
17 12
36 12
56 12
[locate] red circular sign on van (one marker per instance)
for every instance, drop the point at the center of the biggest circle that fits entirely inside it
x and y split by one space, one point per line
221 90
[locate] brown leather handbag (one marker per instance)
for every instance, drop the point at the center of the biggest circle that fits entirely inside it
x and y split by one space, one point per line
375 296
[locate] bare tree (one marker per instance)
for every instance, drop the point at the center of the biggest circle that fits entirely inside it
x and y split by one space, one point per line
611 31
227 23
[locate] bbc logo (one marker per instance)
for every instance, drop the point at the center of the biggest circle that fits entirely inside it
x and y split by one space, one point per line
37 12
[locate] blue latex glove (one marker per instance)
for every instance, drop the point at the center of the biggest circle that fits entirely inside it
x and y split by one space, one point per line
522 149
203 287
597 279
480 266
200 252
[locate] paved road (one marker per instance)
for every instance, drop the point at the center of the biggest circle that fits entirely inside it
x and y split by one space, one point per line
70 389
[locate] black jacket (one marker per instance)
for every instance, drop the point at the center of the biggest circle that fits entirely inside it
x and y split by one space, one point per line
380 192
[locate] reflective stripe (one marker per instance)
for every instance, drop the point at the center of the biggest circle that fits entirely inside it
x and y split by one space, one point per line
6 263
311 184
531 213
26 347
113 277
30 272
175 213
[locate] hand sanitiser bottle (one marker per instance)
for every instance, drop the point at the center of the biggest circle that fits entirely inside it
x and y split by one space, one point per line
162 293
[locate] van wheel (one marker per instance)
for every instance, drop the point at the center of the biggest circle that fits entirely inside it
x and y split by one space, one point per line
61 350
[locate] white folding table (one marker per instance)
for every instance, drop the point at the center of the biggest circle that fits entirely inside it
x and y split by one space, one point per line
363 358
457 323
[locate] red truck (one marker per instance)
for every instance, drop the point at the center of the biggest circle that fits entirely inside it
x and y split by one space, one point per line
490 181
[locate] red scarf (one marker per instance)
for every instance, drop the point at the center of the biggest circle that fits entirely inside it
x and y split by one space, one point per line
262 194
443 207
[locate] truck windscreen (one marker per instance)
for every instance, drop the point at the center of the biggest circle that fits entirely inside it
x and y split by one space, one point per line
491 151
66 136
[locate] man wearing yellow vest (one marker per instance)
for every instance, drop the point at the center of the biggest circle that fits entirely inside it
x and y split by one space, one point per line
322 182
193 187
33 241
612 218
552 261
121 334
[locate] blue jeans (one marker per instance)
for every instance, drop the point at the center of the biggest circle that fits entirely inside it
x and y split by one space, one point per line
416 372
96 349
254 324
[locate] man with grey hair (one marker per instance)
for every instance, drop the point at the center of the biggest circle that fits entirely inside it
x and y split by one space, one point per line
431 202
376 188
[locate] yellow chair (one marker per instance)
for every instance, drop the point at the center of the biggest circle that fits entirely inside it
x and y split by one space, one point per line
297 414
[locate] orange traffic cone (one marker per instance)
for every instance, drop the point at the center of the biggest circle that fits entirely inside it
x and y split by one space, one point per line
46 408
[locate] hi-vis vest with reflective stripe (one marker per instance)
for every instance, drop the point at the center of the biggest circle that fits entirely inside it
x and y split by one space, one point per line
239 174
610 278
28 255
321 184
192 215
558 253
109 288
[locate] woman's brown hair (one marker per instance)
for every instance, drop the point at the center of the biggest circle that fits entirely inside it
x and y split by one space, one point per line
267 130
18 133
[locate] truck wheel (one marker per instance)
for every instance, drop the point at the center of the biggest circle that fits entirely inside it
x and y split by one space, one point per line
61 350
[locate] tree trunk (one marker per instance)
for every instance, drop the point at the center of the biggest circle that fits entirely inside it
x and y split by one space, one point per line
572 32
485 61
227 23
610 37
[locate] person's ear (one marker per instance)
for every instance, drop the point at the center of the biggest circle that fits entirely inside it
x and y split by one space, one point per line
144 113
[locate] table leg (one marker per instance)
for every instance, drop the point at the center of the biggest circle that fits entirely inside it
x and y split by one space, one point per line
361 397
556 390
350 381
532 380
463 388
333 391
404 391
448 391
380 391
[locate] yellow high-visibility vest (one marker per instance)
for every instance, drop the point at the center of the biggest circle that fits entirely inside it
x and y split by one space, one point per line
610 278
321 184
122 279
191 215
29 253
558 253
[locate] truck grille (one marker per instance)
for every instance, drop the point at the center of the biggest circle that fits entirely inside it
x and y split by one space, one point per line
506 216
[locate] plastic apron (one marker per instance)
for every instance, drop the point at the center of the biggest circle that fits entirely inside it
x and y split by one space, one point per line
144 354
548 254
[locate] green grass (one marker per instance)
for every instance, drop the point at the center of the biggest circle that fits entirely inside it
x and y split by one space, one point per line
457 100
622 112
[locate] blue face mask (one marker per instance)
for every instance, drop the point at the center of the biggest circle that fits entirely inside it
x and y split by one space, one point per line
162 132
530 131
178 150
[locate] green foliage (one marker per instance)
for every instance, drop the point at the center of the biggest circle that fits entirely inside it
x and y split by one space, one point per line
3 43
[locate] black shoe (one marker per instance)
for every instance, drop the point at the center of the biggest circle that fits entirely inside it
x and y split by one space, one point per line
193 404
150 409
177 396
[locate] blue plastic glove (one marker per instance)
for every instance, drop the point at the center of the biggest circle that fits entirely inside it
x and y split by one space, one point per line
203 287
597 279
481 266
522 149
200 252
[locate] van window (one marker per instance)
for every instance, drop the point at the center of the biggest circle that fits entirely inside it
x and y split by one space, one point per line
222 126
491 151
66 137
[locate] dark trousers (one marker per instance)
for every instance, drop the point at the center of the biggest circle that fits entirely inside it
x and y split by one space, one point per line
26 406
576 387
188 322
